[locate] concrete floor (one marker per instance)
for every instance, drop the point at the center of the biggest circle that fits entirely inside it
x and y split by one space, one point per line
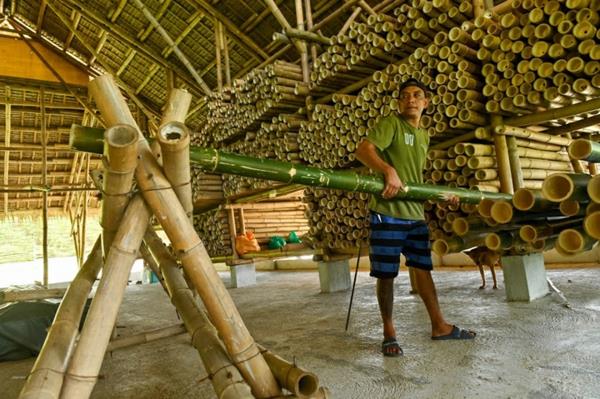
523 350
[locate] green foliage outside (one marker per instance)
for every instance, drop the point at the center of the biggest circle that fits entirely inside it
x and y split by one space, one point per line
21 239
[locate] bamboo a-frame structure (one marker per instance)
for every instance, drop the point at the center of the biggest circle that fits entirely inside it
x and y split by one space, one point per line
234 361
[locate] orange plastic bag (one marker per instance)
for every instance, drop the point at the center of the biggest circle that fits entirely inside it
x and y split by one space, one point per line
245 243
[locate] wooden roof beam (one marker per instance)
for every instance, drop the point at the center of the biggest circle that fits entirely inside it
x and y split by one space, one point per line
114 13
40 18
75 17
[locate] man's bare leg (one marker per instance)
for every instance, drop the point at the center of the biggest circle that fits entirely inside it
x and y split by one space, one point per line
385 298
439 326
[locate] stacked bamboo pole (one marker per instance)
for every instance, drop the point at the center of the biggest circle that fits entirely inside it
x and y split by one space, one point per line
213 230
540 56
261 95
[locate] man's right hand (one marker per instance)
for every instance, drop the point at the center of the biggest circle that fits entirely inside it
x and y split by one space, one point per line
392 183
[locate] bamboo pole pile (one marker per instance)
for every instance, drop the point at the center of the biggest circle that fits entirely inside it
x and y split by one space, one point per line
261 95
206 186
540 55
268 219
213 230
474 165
338 219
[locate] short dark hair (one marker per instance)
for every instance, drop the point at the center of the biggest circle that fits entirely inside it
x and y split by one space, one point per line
412 82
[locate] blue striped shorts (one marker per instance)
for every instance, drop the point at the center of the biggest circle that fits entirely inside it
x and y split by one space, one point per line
390 237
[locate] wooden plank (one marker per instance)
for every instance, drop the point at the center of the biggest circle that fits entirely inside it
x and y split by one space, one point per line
14 54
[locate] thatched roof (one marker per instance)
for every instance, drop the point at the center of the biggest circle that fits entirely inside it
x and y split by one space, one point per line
101 36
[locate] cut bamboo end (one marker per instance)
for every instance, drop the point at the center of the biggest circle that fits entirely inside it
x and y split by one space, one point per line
493 241
460 226
440 247
528 233
501 212
569 207
591 224
523 199
485 207
592 207
571 240
120 140
558 187
593 189
580 149
173 136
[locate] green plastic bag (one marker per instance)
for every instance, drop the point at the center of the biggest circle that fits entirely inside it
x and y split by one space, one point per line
276 242
293 238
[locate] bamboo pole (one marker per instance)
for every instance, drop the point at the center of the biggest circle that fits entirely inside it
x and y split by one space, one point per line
214 161
46 377
226 379
148 336
120 163
164 203
300 382
583 149
173 46
526 199
562 186
563 112
174 139
83 369
217 31
502 157
591 225
29 295
593 189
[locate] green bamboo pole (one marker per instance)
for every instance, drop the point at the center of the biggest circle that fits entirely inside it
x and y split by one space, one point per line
214 161
561 186
445 246
534 232
526 199
586 150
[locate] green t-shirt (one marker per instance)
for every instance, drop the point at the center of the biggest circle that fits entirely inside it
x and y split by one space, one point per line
405 148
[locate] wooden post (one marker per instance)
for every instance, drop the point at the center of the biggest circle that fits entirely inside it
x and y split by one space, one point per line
232 231
242 221
44 139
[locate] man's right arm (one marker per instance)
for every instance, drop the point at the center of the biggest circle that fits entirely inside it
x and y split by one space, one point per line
366 153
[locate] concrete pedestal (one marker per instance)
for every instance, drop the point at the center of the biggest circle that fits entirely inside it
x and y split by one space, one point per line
524 277
334 276
243 275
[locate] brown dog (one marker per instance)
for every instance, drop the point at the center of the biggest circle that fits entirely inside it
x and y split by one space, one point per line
485 257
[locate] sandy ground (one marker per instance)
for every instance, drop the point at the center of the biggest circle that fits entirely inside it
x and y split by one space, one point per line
523 350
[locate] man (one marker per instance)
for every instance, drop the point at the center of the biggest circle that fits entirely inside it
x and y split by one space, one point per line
397 148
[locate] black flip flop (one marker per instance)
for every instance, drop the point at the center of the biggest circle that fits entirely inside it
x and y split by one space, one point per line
456 333
388 344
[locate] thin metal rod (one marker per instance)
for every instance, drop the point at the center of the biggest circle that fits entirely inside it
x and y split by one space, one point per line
352 293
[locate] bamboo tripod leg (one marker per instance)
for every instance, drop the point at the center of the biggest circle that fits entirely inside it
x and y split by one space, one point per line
226 379
46 377
82 373
165 205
